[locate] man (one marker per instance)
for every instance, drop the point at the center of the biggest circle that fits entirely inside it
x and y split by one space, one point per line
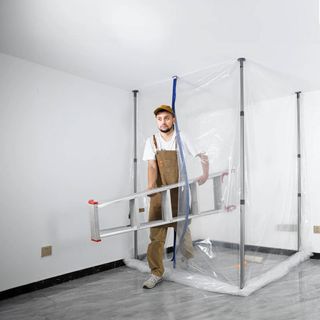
161 153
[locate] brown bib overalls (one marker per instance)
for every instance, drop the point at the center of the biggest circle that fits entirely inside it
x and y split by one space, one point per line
168 173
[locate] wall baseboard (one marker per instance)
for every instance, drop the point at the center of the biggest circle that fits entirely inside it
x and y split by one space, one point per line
270 250
59 279
316 256
253 248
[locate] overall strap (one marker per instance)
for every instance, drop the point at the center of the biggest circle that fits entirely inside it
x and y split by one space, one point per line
155 142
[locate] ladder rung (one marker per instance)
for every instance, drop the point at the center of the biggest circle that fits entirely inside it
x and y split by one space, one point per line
115 231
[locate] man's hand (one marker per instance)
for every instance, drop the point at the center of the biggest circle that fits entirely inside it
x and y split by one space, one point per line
202 179
205 168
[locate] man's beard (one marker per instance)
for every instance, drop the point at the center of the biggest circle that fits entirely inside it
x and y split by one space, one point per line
166 130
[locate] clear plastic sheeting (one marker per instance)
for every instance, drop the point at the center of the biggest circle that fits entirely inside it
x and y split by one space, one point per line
208 114
207 110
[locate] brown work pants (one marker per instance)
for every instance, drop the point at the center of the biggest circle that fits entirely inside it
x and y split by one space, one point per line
167 174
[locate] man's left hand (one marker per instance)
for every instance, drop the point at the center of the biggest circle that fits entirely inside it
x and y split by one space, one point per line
202 179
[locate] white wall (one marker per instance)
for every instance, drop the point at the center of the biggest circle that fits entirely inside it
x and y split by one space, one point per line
63 141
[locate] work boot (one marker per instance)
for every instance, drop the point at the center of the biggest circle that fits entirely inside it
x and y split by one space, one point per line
152 281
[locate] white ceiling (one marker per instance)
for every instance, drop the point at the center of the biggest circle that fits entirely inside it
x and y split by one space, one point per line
132 43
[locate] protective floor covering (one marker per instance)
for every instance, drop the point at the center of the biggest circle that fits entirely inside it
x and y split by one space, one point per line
259 275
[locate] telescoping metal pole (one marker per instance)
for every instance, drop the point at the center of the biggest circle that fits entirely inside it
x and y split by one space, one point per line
135 163
299 167
242 179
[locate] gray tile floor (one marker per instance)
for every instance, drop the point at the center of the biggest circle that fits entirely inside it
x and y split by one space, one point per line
117 294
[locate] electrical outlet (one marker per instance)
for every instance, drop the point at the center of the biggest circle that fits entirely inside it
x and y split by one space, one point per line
316 229
46 251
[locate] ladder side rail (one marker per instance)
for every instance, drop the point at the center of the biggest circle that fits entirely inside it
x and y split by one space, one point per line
152 191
